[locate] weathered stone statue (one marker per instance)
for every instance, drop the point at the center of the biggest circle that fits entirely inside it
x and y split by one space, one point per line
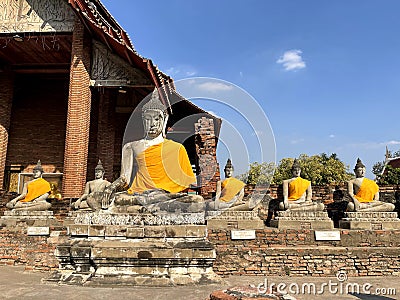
297 193
157 170
230 192
34 193
364 193
92 187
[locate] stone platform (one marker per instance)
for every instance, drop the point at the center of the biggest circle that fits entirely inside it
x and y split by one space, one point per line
126 249
315 220
234 220
370 221
13 218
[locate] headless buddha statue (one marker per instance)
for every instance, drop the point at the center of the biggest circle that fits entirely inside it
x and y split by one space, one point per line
34 193
364 193
92 188
156 170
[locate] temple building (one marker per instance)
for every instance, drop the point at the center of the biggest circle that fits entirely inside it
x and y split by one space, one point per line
71 79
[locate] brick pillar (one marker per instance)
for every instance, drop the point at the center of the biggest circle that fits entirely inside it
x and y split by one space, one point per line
106 133
206 149
78 117
6 96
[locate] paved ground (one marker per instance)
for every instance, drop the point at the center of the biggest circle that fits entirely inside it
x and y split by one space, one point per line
15 283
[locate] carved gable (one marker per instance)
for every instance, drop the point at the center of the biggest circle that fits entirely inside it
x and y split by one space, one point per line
35 16
108 69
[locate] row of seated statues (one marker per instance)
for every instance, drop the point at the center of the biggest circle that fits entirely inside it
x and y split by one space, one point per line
156 174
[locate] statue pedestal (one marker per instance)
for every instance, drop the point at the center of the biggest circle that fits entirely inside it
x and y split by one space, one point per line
136 249
370 220
315 220
13 218
234 220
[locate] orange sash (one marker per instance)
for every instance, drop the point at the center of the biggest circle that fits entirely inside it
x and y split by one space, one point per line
367 191
297 188
230 187
164 166
36 188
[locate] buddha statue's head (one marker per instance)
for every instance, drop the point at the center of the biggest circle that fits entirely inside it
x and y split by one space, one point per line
155 116
38 170
228 168
296 169
99 170
359 169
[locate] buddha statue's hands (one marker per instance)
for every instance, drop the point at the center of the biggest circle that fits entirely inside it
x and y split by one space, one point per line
356 204
285 204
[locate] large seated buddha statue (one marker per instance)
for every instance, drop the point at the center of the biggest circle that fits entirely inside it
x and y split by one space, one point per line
364 193
156 170
34 193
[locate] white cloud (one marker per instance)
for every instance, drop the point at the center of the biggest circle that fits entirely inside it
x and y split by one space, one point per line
331 136
292 60
393 143
180 70
214 86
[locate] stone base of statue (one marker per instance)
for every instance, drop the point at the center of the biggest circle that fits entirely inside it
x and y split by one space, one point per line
135 249
370 220
23 218
315 220
234 220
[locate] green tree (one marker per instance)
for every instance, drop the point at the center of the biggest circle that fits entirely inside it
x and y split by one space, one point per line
319 169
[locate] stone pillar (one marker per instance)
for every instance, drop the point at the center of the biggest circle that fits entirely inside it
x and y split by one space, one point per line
106 133
6 96
206 149
78 117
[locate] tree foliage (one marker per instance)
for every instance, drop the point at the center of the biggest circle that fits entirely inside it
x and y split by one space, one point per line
391 175
319 169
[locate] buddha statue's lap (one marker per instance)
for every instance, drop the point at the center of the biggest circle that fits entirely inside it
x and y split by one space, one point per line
364 193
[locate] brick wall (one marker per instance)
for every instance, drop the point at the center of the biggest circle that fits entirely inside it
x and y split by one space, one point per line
78 117
37 129
207 158
295 252
35 252
6 95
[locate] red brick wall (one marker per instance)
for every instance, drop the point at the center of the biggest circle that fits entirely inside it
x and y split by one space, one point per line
6 94
295 252
78 118
37 129
207 157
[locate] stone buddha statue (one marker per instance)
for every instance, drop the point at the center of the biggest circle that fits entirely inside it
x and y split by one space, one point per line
34 193
297 193
97 185
156 170
364 193
230 192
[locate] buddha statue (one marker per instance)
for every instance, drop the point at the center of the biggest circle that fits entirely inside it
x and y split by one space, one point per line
34 193
364 193
156 170
297 193
94 186
230 192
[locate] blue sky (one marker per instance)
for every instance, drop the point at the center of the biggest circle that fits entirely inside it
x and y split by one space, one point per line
326 73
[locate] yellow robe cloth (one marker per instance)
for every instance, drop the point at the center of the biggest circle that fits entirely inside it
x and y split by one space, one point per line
367 191
36 188
163 166
230 187
297 188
